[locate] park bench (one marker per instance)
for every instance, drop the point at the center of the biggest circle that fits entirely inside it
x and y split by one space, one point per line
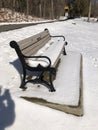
40 54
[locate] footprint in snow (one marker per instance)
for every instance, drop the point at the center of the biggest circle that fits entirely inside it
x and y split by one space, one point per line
94 61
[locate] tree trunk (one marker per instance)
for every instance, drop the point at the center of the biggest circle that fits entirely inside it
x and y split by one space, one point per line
52 10
89 12
13 7
94 8
40 10
27 9
44 9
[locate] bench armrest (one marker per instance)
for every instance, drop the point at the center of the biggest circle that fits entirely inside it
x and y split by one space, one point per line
42 57
58 36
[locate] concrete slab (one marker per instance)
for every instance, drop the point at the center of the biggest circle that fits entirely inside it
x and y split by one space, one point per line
68 85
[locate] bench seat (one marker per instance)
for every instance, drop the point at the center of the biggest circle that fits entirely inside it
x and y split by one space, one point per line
52 50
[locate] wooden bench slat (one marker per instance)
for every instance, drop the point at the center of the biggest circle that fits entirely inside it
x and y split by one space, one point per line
31 50
30 41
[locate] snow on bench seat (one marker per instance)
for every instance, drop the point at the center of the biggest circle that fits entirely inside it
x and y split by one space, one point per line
52 49
55 51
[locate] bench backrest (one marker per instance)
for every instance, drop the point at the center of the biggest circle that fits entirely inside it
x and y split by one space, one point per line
31 45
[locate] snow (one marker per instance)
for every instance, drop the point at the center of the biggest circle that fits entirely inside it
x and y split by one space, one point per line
7 15
67 93
82 37
55 44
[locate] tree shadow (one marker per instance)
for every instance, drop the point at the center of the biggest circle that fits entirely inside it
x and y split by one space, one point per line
7 109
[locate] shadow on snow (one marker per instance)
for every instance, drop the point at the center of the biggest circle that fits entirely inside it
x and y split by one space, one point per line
7 109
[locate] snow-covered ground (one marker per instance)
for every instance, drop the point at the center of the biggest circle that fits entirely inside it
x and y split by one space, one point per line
18 114
7 15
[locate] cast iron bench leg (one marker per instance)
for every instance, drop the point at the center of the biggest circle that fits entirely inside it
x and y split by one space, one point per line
52 89
22 86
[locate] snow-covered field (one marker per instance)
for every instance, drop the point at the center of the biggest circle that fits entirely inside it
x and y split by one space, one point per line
18 114
7 15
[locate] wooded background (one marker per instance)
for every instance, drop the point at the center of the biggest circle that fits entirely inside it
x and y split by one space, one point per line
51 8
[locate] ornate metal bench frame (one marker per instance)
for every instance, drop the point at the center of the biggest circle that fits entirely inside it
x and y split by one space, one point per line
39 69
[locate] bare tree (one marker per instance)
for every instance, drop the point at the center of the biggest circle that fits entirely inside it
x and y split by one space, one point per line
94 8
40 8
44 9
52 9
27 8
89 11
